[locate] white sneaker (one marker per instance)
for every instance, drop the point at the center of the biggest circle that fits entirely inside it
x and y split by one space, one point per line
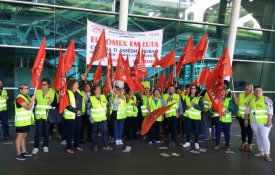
35 150
120 142
197 146
150 143
117 142
63 142
186 144
45 149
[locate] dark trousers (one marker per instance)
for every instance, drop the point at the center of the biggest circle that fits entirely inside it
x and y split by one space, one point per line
181 126
206 119
63 129
104 130
41 130
192 125
111 125
4 123
72 131
86 128
245 131
172 127
131 127
154 132
225 128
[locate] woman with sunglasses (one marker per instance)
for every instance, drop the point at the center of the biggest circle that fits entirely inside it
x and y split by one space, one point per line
23 120
193 105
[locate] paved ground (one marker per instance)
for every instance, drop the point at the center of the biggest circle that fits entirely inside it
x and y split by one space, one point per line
142 159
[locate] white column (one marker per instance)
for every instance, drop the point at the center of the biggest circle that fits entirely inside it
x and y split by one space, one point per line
235 11
123 23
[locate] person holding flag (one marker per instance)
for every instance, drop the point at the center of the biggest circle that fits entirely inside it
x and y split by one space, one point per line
224 122
72 117
192 107
23 106
44 100
155 103
173 113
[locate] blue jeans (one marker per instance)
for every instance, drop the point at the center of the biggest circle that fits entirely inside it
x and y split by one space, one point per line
192 125
4 123
41 130
206 118
225 127
104 129
118 128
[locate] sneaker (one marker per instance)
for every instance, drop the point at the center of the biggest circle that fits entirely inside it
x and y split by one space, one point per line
63 142
150 143
227 148
216 147
35 150
27 154
267 158
158 141
78 149
70 151
120 142
197 146
21 157
117 142
45 149
186 144
259 154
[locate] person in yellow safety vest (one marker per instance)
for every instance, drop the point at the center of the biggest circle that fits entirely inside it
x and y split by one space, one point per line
131 122
206 115
113 95
224 123
72 117
44 99
3 112
180 120
260 110
173 113
192 107
23 106
119 114
155 102
242 101
98 118
228 92
144 100
86 124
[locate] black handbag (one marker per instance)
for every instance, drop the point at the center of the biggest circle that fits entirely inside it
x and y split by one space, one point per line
54 116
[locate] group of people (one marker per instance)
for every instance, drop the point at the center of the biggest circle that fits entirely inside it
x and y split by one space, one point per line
118 115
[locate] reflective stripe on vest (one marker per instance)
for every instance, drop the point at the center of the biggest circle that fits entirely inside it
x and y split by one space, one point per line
23 117
192 113
258 110
144 110
206 102
42 103
99 108
153 106
243 101
3 101
173 110
68 114
132 110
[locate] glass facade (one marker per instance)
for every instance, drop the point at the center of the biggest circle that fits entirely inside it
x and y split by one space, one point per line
23 23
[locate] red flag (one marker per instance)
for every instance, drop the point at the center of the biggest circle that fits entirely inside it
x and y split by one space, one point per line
139 68
179 66
98 73
170 79
138 85
215 85
58 78
109 70
201 48
100 51
152 116
107 87
156 60
38 64
69 56
202 78
63 96
161 80
168 60
188 52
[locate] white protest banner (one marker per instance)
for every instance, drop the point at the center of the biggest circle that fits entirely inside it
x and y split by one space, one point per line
127 42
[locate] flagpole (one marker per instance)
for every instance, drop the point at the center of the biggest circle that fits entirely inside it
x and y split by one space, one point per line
233 83
76 69
154 78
